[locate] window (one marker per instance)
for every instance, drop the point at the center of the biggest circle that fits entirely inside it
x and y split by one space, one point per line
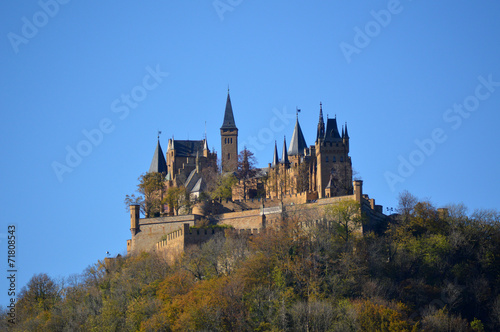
228 156
334 160
231 140
341 159
225 140
326 158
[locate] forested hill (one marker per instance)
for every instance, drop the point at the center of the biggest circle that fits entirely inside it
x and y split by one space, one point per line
429 270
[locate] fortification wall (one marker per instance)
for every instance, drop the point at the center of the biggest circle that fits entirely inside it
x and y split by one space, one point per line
201 235
172 244
242 220
151 230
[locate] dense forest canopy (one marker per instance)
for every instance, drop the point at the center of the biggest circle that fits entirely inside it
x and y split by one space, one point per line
428 270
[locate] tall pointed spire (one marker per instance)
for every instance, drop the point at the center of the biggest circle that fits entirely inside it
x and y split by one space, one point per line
346 134
158 164
275 155
321 124
228 115
284 156
298 143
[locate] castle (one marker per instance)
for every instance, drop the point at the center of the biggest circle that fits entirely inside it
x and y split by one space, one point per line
301 184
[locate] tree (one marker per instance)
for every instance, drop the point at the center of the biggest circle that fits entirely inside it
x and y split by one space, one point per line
211 174
176 198
347 218
134 200
303 177
38 296
342 178
406 205
152 186
224 187
246 168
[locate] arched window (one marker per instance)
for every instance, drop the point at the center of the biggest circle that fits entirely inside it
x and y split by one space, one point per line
231 140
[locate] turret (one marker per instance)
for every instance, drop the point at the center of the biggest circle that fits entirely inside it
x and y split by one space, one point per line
358 190
205 148
321 125
229 139
284 156
345 138
298 143
158 164
135 210
275 155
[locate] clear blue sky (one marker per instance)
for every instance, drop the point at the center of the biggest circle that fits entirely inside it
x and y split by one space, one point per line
68 69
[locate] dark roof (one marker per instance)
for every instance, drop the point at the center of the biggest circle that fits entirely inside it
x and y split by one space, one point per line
188 148
275 155
298 143
332 131
321 124
284 155
158 164
228 116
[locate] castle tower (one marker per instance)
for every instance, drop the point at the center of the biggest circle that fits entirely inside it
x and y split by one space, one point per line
321 124
275 155
297 144
284 155
333 163
158 164
229 140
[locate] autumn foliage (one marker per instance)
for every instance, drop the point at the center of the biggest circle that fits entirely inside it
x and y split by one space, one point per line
429 270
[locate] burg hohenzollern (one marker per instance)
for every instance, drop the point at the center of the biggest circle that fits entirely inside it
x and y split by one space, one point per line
305 180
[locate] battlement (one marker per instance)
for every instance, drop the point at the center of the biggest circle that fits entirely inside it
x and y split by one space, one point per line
174 243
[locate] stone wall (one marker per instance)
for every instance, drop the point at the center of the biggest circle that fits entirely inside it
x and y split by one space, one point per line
151 230
242 220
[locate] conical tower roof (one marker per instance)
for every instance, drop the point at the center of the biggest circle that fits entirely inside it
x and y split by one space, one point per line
284 156
228 115
321 124
298 143
275 155
158 164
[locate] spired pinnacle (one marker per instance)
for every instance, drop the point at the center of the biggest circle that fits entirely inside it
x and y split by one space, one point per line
284 156
298 143
275 155
228 115
158 164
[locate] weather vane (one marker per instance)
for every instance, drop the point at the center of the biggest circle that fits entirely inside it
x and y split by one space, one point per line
159 133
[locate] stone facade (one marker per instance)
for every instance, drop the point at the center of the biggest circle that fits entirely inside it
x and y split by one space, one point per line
324 168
